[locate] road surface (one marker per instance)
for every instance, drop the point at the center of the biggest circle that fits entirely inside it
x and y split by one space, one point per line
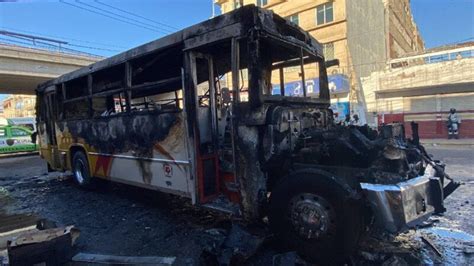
122 220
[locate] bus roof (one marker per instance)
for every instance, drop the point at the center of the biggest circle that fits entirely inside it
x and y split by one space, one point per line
234 24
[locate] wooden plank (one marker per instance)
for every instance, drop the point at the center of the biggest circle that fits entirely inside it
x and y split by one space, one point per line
122 260
14 221
44 235
5 236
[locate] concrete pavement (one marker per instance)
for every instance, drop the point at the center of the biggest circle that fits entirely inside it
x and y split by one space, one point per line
448 142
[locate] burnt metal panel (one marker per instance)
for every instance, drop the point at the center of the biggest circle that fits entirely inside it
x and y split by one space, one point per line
122 133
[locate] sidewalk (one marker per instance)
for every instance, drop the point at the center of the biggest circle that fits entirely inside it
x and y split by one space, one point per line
18 154
447 142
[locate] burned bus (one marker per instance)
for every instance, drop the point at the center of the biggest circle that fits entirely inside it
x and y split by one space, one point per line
197 114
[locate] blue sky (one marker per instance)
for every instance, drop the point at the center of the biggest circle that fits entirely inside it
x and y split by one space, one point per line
444 21
440 21
80 27
57 20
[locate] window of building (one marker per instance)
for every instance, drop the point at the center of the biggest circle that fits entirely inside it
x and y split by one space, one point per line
324 14
294 18
2 132
237 4
19 132
262 3
328 50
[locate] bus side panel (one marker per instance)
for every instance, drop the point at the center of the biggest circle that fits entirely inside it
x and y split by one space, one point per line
44 146
66 141
144 149
168 168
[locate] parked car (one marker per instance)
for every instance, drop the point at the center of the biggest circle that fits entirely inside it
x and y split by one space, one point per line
16 139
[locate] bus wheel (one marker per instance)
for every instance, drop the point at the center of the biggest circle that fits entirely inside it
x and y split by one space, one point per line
312 214
80 170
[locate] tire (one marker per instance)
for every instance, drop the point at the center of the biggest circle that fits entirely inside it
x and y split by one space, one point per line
313 215
80 170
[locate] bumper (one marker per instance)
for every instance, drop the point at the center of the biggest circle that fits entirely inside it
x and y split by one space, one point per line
406 204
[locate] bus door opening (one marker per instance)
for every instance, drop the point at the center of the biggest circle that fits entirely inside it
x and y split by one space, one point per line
50 119
207 132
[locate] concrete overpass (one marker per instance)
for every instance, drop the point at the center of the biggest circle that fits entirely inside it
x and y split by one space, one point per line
23 68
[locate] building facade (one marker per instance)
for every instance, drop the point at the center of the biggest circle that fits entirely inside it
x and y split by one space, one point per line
403 37
355 32
19 106
423 88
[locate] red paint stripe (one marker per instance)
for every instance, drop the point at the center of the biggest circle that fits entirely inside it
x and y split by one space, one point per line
431 113
103 162
438 129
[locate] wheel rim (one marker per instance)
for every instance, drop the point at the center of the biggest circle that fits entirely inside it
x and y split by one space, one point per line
311 215
79 171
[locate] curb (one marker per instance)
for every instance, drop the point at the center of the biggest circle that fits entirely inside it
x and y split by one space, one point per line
434 144
18 154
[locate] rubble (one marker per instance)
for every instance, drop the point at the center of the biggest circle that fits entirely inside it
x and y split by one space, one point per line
233 247
395 261
3 257
288 259
49 246
169 223
428 223
468 248
428 242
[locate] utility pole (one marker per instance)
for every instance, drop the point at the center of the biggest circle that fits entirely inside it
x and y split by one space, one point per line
213 9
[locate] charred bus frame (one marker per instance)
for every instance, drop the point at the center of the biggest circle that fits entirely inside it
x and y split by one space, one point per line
159 116
176 63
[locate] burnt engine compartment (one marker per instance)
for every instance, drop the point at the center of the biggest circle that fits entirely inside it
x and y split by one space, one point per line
383 157
358 153
280 140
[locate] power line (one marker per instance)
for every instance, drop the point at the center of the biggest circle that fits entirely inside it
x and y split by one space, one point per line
136 15
102 14
45 46
59 43
6 41
124 17
93 48
65 38
15 34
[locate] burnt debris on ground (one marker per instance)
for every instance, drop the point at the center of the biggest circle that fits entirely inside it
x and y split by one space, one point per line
120 220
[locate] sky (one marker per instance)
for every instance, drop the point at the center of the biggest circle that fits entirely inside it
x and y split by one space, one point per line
81 28
444 21
440 21
58 19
